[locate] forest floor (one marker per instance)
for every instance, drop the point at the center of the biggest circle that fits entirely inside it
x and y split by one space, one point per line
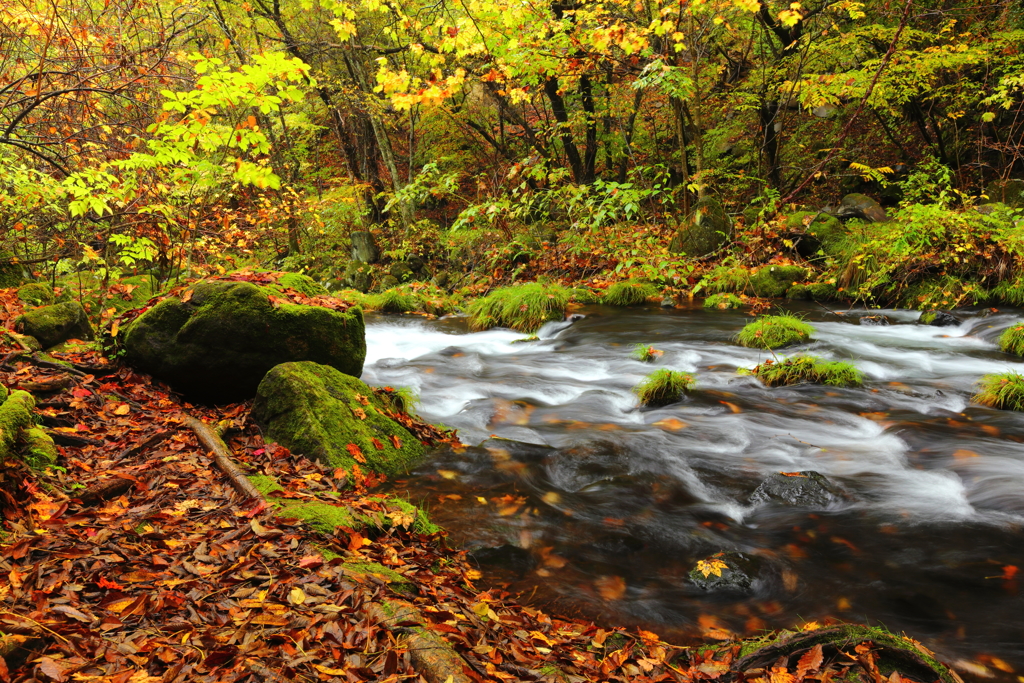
136 561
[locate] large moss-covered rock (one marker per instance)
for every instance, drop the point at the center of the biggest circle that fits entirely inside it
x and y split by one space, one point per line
217 341
321 413
815 231
709 228
54 324
11 272
775 281
15 416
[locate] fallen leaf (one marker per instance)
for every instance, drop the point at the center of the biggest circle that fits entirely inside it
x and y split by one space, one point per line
611 587
296 596
356 453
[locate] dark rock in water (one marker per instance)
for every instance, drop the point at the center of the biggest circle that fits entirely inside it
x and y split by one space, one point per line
509 557
874 320
861 206
808 488
54 324
939 319
364 247
725 572
668 302
618 545
573 317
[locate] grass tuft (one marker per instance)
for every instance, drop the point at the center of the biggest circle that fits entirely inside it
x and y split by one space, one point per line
1003 390
629 293
1012 340
773 331
645 353
413 297
807 369
521 307
723 301
663 387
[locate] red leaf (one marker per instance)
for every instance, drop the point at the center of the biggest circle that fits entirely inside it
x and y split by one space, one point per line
356 452
81 393
378 445
104 582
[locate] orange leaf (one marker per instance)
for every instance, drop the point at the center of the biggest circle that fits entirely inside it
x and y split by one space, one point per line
356 452
377 444
810 662
611 587
359 412
395 442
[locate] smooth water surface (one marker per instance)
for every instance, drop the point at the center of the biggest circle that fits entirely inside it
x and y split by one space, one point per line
614 505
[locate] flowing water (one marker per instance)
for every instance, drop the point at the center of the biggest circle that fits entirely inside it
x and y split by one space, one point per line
612 505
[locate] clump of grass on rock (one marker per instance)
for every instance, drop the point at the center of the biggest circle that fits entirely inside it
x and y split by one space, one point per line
409 298
629 293
662 387
521 307
1002 390
774 331
645 353
1012 340
723 301
808 369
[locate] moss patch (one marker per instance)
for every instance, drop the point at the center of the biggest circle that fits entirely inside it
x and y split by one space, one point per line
774 331
35 294
37 448
723 301
807 369
413 297
775 281
324 414
663 387
629 293
522 307
1003 390
299 283
1012 339
582 295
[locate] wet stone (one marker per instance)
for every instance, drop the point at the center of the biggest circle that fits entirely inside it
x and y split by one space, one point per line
807 488
857 205
725 572
508 557
939 319
874 320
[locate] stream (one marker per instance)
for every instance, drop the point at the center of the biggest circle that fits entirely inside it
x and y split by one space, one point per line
601 509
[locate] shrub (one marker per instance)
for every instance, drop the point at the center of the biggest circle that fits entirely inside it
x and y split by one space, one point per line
645 353
773 331
629 293
723 301
800 369
1004 391
1012 340
521 307
663 387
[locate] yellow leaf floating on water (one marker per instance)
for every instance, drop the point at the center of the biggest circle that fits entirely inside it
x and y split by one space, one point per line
671 424
962 453
709 567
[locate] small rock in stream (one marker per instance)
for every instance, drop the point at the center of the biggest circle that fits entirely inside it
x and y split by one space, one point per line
725 571
807 488
939 319
874 320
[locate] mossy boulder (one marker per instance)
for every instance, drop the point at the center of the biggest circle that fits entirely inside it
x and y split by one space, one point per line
775 281
303 284
54 324
11 272
319 412
19 435
358 276
35 294
823 291
37 448
218 339
708 229
856 205
816 231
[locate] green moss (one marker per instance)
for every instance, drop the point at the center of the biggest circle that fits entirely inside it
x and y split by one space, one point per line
629 293
774 281
53 324
801 369
823 291
927 318
521 307
1012 339
320 412
4 393
1010 291
583 295
421 523
324 517
11 273
387 575
798 293
663 387
413 297
774 331
827 231
37 448
726 278
526 340
300 283
723 301
645 353
36 294
15 415
1003 390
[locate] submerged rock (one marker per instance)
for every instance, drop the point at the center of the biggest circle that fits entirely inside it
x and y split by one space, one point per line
508 557
218 340
725 572
939 319
329 416
807 488
874 320
54 324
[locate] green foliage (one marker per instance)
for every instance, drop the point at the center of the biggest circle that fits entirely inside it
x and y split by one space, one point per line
1012 339
723 301
646 353
412 297
663 387
583 295
725 278
774 331
1004 391
629 293
521 307
801 369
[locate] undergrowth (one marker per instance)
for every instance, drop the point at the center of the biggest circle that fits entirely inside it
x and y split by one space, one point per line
1002 390
629 293
413 297
520 307
663 387
803 369
774 331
